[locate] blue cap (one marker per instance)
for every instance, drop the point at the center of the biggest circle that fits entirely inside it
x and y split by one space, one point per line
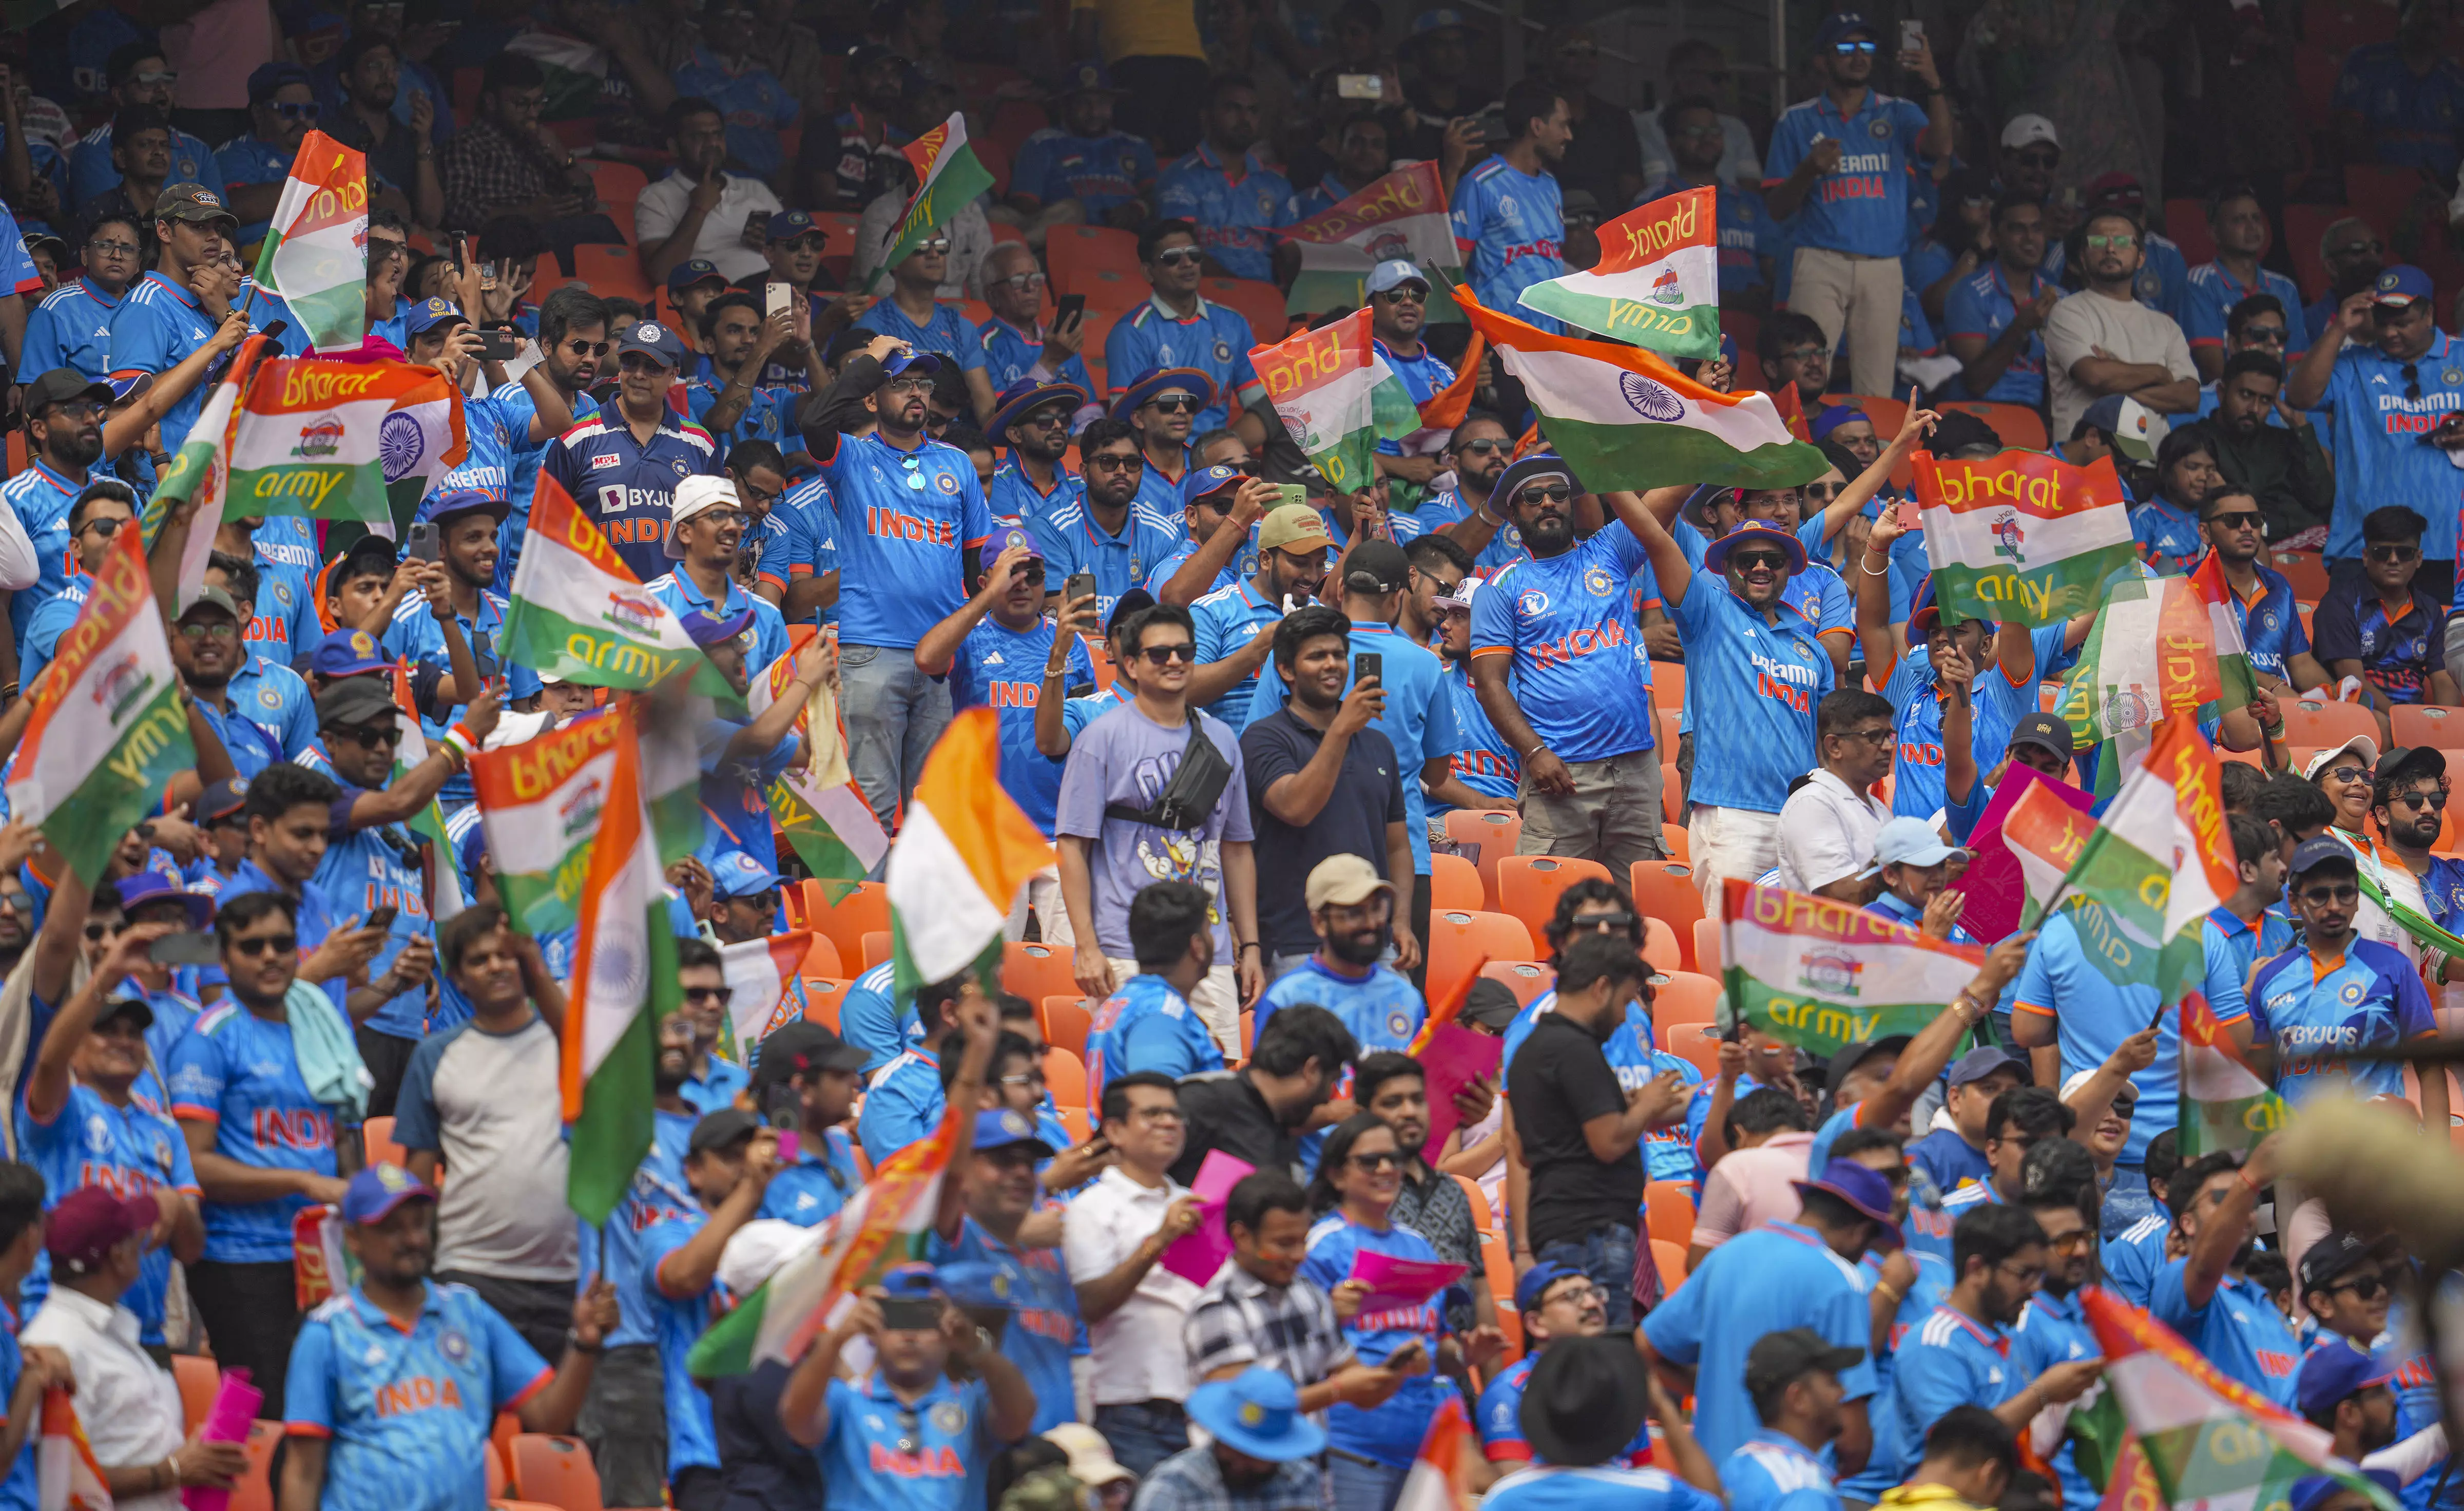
2313 1490
268 77
1257 1412
1753 532
1391 272
379 1190
916 1281
1839 414
2322 850
1841 25
1088 78
1025 395
1210 479
980 1283
656 340
1160 379
2401 284
451 503
1986 1059
737 875
1537 1280
472 849
1000 1128
152 886
699 270
1864 1190
431 312
2334 1371
125 388
1006 537
1907 841
222 801
789 224
925 362
347 653
709 629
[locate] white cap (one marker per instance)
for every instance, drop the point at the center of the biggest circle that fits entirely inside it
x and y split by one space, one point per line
2321 760
2029 130
698 493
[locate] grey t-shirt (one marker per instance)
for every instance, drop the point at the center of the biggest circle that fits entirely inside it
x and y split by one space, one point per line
490 1104
1125 757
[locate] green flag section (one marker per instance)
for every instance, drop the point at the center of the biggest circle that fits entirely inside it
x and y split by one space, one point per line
2211 1443
883 1224
963 851
1338 398
108 729
831 828
2147 659
325 438
948 177
2225 1104
539 803
1821 974
2236 687
1403 215
624 982
578 611
1658 281
315 257
2393 910
2021 537
1625 419
200 470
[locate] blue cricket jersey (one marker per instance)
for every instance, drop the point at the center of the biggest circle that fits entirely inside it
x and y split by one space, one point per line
1002 669
1510 228
1390 1433
1861 205
1580 672
240 1076
1233 206
2319 1009
1146 1025
903 522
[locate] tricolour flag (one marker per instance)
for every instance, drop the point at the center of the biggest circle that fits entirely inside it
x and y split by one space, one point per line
315 255
1822 974
963 853
2021 537
1625 419
2211 1442
624 982
1338 398
108 729
576 70
880 1226
200 470
758 973
428 823
831 829
948 177
1403 215
2158 862
1658 280
1435 1480
2147 659
540 803
2047 836
327 438
578 613
2236 686
1444 409
2225 1104
66 1475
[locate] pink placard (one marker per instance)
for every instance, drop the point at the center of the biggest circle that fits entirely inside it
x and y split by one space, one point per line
1996 888
1453 1057
1402 1284
227 1421
1196 1256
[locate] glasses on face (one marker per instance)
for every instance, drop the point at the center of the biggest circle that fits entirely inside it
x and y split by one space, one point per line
908 386
1405 294
1605 923
2263 336
634 363
74 410
2120 241
112 249
96 933
588 348
721 995
2364 1287
1115 462
764 497
2239 520
2321 896
1165 655
2076 1241
1378 1161
297 110
937 244
1032 1077
2394 553
2036 159
1181 257
2351 773
1544 492
724 518
2370 248
1023 282
367 734
758 902
1879 735
213 629
1852 49
1749 561
1173 404
1824 492
1804 353
277 944
2435 802
1483 448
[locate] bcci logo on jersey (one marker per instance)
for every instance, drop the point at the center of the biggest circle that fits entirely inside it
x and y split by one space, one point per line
2007 538
1829 975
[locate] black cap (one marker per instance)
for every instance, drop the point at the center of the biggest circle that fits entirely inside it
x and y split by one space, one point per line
1135 601
1851 1055
2058 1168
222 800
1491 1003
2334 1253
2043 731
61 385
720 1129
801 1046
2402 764
1584 1400
1377 566
127 1006
353 699
1777 1360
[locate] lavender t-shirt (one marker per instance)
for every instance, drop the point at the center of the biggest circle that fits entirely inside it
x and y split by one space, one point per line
1125 757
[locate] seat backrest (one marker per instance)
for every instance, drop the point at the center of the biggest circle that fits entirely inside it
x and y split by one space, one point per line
556 1471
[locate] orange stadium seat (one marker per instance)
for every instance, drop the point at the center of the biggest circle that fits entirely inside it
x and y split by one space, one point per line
1527 885
862 909
824 996
1528 979
1037 971
1454 882
1067 1019
555 1471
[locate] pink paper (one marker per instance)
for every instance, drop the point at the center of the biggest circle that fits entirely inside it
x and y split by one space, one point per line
1996 888
1453 1057
227 1421
1196 1256
1401 1284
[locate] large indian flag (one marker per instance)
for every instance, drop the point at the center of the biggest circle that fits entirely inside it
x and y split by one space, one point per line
624 981
578 611
963 853
2022 536
200 471
315 255
948 177
1338 398
1403 215
1658 281
1821 974
540 803
108 729
832 829
317 437
2148 656
1625 419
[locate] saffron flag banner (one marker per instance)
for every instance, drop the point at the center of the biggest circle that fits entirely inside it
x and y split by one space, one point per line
108 730
1658 280
327 438
2021 537
1435 1480
2225 1104
66 1475
1625 419
315 253
760 975
200 471
1403 215
2236 686
963 853
948 177
578 611
1821 974
2147 658
540 803
1338 398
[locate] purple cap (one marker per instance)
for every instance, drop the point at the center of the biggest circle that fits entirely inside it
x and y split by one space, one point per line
1007 537
153 886
1863 1188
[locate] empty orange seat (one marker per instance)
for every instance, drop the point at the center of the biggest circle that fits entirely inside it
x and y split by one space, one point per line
2321 723
1460 941
1696 1044
1077 253
1454 882
1065 1077
1685 997
824 996
1707 947
1528 886
1528 979
1660 947
198 1379
1037 971
1668 1211
1495 831
1067 1017
1665 890
876 947
845 913
555 1471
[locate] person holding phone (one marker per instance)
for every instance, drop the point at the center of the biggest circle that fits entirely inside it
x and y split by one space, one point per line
451 630
808 1079
1018 347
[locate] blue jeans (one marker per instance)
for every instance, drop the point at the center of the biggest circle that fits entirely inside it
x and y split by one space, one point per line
1606 1255
893 713
1143 1433
1354 1484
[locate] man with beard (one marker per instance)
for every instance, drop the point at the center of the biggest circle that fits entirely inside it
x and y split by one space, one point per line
622 464
1792 1378
1751 241
2408 802
1018 345
1160 407
453 630
1218 514
997 1192
205 652
2103 342
914 314
1399 310
63 411
397 1337
727 399
1506 212
2278 465
1439 567
138 75
1477 453
1176 328
2206 1295
400 156
1080 172
1236 625
1110 532
1361 158
1225 189
573 353
283 554
281 106
95 518
2335 993
1555 1302
2215 289
2057 1183
2262 602
1993 323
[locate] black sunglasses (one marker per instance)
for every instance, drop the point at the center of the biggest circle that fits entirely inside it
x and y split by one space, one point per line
279 944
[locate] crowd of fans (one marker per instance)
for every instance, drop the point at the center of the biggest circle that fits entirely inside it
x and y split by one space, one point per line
1248 708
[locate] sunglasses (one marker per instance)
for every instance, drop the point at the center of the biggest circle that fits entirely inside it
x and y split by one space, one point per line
2036 159
1378 1161
1164 655
2435 802
908 386
1181 257
1102 464
278 944
937 244
2372 248
1804 353
2113 243
1405 294
2320 896
2239 520
1825 492
2362 1289
1483 448
588 348
2394 553
1183 405
366 734
304 110
1749 561
1852 48
1550 493
2263 335
721 995
2349 773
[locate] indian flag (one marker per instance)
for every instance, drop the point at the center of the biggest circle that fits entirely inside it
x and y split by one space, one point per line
670 719
831 829
1624 419
624 982
758 973
2021 537
576 70
881 1225
1338 398
1821 974
66 1475
2212 1443
948 177
2147 659
323 439
108 730
2158 862
317 253
1403 215
2238 687
2046 836
2225 1104
1435 1480
578 613
1658 281
200 473
963 853
428 823
540 803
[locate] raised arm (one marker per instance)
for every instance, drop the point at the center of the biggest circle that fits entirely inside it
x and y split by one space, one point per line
1874 599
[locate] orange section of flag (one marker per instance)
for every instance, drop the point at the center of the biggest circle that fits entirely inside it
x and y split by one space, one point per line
961 788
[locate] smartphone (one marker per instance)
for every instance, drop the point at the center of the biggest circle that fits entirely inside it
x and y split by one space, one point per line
1492 127
1366 667
904 1315
186 947
785 1111
381 917
1358 86
1071 306
497 343
1911 518
421 544
778 297
1290 493
1911 36
1081 585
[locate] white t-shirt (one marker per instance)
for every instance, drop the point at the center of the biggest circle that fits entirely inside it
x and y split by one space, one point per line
2128 331
1826 833
661 210
1138 1350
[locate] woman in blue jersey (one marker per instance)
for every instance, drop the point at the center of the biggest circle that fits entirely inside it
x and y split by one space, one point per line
1359 1175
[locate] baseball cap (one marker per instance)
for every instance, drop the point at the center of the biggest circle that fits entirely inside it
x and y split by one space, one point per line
61 385
1984 1060
1837 416
699 270
1001 1128
1537 1280
2137 430
2402 764
453 504
1841 25
2045 732
2026 130
347 653
377 1189
153 886
2337 1253
1344 880
800 1046
1130 604
90 1222
1906 841
268 77
2400 285
912 1282
926 362
1292 527
38 237
696 495
1391 272
1008 537
212 597
125 1005
718 1130
1461 597
2321 851
194 203
1848 1057
789 224
2321 760
2113 190
431 312
1491 1004
708 627
1863 1188
2334 1371
1088 78
1777 1360
737 875
353 699
1377 566
1090 1459
225 798
1207 480
655 341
